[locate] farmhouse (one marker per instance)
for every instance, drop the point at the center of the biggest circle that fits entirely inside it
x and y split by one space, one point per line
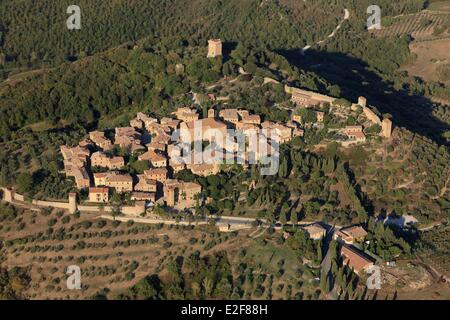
315 231
350 235
356 260
355 133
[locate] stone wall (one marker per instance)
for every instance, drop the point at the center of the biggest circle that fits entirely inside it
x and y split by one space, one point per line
371 116
11 196
386 128
53 204
311 94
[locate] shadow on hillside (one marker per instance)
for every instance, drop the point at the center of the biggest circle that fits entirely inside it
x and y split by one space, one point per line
413 112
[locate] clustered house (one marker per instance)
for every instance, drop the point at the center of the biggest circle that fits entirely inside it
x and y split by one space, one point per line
95 166
164 156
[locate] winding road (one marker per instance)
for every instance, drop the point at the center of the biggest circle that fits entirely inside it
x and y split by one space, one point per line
331 35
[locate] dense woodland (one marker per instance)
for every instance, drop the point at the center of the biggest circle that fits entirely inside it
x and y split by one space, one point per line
34 34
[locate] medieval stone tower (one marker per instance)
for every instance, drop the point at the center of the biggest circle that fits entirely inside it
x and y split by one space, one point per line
211 113
8 194
362 101
386 128
214 48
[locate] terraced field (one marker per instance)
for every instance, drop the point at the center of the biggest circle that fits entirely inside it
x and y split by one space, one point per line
422 26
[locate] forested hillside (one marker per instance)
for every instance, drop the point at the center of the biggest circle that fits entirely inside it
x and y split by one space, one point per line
33 33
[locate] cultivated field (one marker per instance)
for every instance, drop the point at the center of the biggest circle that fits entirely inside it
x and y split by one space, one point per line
431 56
117 255
422 26
440 6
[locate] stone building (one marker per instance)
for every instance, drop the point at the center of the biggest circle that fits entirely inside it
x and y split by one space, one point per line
100 140
306 98
99 159
214 48
355 133
350 235
158 174
186 114
315 231
156 159
362 101
120 182
99 195
386 128
203 130
356 260
320 116
145 184
100 178
143 196
204 169
181 195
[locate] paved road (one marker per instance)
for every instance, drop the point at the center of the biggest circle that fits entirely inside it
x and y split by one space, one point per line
326 262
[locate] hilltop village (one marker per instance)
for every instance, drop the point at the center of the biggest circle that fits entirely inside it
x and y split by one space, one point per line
145 164
94 166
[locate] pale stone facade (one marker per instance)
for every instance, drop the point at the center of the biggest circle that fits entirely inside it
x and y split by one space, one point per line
180 194
120 182
99 159
214 48
99 195
386 128
307 98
